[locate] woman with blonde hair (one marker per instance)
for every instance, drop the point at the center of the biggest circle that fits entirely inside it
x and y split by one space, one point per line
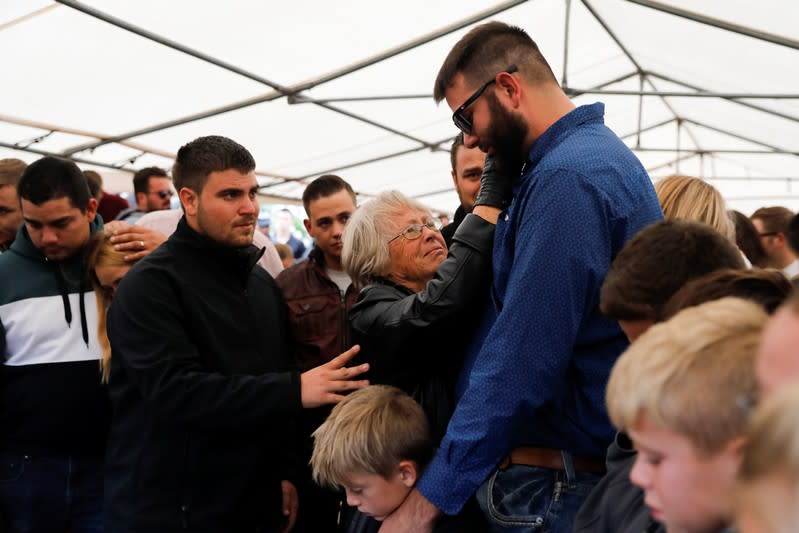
688 198
106 266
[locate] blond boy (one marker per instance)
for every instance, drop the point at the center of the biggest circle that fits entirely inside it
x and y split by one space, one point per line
681 392
374 444
768 480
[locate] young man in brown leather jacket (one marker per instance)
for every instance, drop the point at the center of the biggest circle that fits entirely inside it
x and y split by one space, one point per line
319 295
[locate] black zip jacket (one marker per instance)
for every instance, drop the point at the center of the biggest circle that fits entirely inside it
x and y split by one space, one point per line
203 396
416 340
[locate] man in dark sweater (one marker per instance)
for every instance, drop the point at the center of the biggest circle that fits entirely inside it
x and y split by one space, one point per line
53 411
205 398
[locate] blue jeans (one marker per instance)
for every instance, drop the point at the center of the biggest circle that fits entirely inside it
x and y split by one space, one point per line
51 494
525 499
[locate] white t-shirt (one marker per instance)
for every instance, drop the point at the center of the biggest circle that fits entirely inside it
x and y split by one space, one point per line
339 278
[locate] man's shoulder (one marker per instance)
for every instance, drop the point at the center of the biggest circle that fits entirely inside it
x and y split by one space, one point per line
23 278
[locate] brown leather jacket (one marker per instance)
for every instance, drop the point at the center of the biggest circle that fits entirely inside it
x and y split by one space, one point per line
318 321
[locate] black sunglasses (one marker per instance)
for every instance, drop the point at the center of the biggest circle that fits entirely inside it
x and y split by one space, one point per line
465 124
163 194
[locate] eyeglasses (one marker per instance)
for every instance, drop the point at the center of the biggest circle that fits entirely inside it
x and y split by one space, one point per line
465 124
414 231
162 194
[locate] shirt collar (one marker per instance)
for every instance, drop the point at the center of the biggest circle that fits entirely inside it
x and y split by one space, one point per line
560 129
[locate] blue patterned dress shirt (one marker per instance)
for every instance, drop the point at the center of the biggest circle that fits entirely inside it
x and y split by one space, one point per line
536 371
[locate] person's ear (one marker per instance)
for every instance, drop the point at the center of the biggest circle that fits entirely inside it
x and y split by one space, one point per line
307 224
190 200
408 473
141 199
510 87
91 209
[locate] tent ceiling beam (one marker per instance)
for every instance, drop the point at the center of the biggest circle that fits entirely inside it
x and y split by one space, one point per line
718 23
632 59
708 151
574 92
101 164
356 164
699 94
756 107
280 90
773 148
28 16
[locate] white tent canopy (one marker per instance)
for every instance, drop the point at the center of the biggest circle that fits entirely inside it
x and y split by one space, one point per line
708 88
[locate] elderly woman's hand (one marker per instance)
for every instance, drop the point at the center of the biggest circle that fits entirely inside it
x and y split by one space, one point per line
496 184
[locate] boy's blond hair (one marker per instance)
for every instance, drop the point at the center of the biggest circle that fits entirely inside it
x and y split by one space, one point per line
772 454
692 374
370 432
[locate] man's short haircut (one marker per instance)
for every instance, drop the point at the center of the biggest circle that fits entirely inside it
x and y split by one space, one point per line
689 198
141 179
768 288
197 159
365 254
747 239
370 432
453 151
51 178
659 260
489 49
774 219
10 171
95 182
322 187
692 374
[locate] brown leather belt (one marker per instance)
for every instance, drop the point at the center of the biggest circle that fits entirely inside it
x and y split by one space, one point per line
547 458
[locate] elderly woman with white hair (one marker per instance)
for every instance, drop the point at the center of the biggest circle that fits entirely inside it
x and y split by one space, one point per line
420 302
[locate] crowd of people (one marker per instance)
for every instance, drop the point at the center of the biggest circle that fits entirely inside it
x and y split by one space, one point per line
578 351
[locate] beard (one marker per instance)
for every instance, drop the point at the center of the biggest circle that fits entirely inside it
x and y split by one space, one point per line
506 135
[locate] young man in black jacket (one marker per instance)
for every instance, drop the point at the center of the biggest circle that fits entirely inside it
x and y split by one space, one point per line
204 395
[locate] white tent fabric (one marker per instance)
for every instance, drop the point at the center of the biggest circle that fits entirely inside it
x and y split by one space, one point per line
121 85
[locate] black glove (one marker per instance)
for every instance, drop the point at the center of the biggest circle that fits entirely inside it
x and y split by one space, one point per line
496 184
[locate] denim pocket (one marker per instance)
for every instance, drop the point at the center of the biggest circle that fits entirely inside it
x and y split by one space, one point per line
530 499
520 496
12 466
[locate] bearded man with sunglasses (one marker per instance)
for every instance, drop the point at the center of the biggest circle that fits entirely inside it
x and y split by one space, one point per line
530 430
153 189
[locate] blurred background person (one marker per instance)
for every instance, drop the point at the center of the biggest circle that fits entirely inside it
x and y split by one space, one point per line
688 198
748 240
286 254
772 225
108 205
10 213
467 167
768 480
284 233
153 189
